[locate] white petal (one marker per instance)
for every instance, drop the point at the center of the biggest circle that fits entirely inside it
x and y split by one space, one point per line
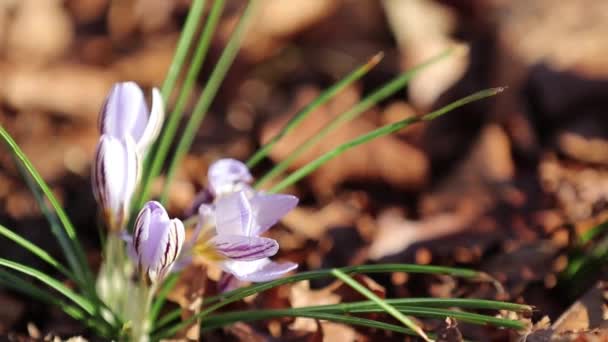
153 124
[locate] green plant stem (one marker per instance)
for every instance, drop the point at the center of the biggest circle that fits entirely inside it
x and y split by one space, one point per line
380 302
219 301
66 236
319 101
168 284
382 131
183 45
207 96
368 102
171 126
223 319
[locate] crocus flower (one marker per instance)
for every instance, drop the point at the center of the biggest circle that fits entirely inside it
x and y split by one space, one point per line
115 171
239 222
125 113
227 176
157 241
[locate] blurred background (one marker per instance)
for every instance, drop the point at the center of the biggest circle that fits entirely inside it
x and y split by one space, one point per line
501 185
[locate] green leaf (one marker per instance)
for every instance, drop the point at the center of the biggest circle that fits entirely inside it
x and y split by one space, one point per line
66 234
379 132
34 249
213 303
368 102
319 101
207 96
380 302
82 302
183 45
168 285
160 154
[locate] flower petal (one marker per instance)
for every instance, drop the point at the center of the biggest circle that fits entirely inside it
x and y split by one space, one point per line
269 209
246 248
233 215
115 174
259 270
228 175
124 112
153 124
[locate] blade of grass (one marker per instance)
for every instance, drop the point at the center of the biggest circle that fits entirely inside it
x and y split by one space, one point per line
82 302
381 303
160 154
382 93
207 96
183 45
213 303
168 285
382 131
593 233
223 319
37 251
14 282
66 236
320 100
345 308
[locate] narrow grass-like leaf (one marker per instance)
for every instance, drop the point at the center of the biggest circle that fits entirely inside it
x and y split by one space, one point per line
168 285
368 102
382 131
160 154
66 236
593 233
82 302
9 280
207 95
183 45
319 101
380 302
213 303
223 319
37 251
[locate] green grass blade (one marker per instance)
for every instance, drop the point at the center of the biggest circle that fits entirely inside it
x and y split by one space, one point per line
66 235
223 319
319 101
82 302
593 233
213 303
380 302
37 251
208 94
160 154
183 45
168 285
368 102
382 131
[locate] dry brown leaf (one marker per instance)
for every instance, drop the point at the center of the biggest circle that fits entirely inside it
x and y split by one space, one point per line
188 293
387 158
313 223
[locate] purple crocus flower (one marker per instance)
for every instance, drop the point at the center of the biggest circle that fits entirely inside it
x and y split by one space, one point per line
125 113
239 221
115 171
227 176
157 241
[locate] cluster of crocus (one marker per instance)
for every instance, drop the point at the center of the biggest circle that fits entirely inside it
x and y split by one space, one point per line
127 130
231 217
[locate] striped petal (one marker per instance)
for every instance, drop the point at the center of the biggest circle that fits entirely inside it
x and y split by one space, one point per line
157 240
115 173
245 248
124 112
233 215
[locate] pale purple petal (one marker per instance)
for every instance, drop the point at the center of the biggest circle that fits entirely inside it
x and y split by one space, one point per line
228 282
259 270
124 112
228 175
153 124
233 215
115 173
245 248
157 240
268 209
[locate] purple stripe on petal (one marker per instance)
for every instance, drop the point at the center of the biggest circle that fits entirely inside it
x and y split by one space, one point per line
233 214
245 248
